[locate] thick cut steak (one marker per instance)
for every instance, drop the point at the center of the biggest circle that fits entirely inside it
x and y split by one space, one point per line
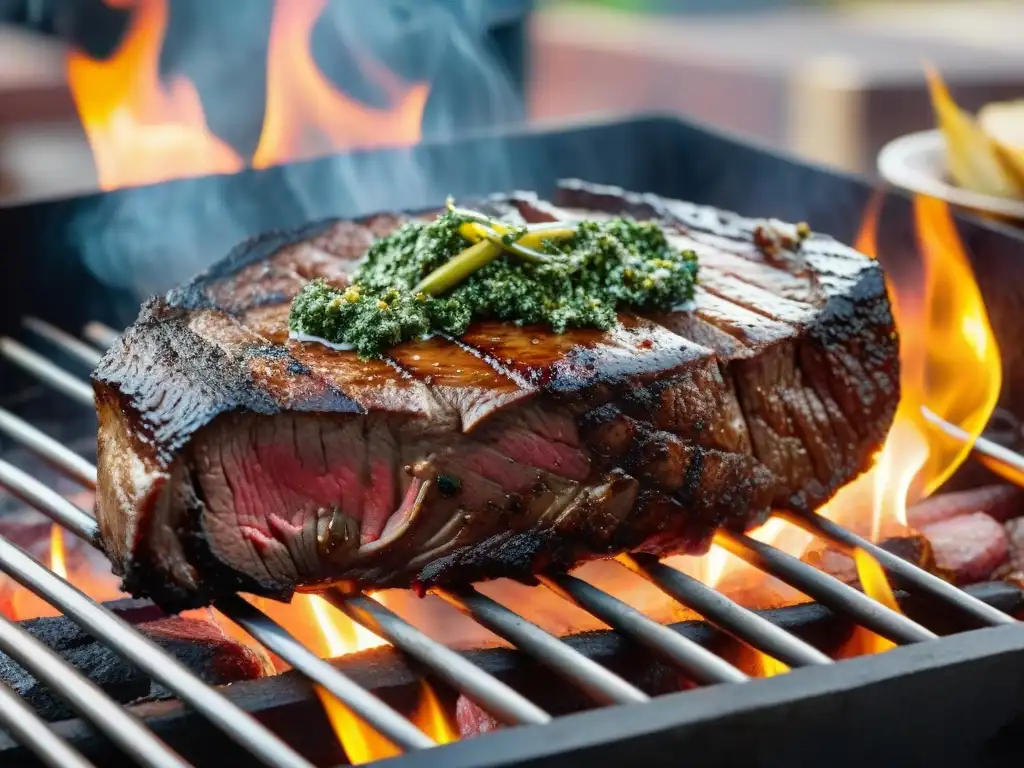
232 458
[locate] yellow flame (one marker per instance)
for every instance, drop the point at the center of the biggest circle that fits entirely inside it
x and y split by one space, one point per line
719 564
713 565
362 744
432 718
963 376
341 635
140 129
876 585
950 364
769 666
898 464
57 564
143 129
307 116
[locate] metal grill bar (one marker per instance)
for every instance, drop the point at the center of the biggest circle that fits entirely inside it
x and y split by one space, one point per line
824 588
261 627
103 336
60 379
906 572
493 695
119 635
47 372
981 445
49 502
596 681
28 728
371 709
74 346
86 698
699 663
490 693
743 624
54 452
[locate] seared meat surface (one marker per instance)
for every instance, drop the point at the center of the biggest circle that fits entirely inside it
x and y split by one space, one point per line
233 458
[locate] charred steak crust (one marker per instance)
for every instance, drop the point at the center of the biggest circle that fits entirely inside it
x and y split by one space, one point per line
232 458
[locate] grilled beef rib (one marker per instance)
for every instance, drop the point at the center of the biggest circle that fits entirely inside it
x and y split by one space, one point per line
232 458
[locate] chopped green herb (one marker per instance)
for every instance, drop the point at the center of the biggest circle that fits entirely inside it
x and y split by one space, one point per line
438 277
448 486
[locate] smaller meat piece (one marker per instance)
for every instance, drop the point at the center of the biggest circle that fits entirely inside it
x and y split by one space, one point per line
1013 569
1000 502
472 720
915 549
199 645
968 548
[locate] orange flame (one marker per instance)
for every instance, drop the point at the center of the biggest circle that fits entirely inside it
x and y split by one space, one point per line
140 130
1002 469
432 717
20 603
876 585
964 367
867 238
307 116
725 570
769 666
341 635
362 744
57 564
950 364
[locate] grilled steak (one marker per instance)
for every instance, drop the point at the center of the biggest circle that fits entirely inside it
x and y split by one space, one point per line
232 458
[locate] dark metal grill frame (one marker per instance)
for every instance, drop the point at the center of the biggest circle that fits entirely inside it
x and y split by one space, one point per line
501 701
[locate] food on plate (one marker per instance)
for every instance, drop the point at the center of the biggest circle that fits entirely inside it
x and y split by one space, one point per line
985 153
238 453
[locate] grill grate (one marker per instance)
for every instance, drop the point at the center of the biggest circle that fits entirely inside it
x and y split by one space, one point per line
494 696
25 725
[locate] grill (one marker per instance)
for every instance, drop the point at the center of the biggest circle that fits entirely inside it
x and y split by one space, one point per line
825 699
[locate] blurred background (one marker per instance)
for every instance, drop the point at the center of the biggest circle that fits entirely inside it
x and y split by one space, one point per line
93 93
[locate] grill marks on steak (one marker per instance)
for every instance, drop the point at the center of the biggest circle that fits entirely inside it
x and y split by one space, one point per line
811 374
234 458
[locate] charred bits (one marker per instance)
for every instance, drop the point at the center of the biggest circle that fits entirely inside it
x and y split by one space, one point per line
339 535
448 485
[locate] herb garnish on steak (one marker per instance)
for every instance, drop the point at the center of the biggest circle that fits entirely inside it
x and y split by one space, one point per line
437 277
232 457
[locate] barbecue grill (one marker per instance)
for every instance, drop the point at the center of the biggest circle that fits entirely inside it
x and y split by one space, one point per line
956 698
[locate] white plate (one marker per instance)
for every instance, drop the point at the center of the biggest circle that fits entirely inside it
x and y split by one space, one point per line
917 163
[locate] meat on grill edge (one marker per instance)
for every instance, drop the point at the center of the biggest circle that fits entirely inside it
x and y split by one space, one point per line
231 458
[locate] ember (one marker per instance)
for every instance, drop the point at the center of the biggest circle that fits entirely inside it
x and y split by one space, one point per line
194 641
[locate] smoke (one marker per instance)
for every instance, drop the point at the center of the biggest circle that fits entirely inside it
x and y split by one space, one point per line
146 240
